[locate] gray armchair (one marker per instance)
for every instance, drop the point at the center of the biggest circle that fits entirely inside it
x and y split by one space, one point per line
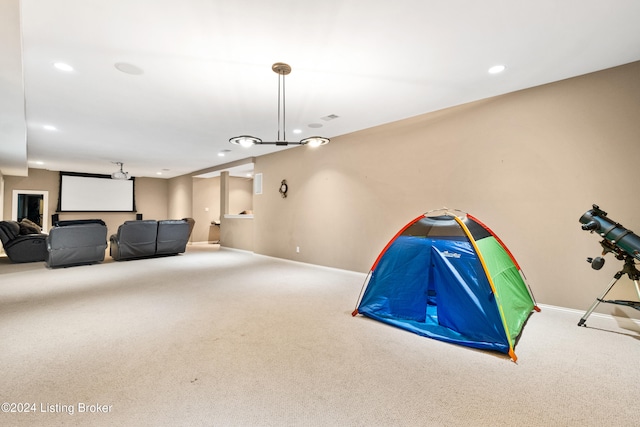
76 242
22 247
192 223
173 235
134 239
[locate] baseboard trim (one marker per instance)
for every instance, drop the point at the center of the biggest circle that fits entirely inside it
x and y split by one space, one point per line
246 251
579 313
324 267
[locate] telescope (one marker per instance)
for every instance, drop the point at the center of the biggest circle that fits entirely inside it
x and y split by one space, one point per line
623 243
616 238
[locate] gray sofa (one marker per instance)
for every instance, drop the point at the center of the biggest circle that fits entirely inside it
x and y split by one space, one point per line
20 244
76 243
148 238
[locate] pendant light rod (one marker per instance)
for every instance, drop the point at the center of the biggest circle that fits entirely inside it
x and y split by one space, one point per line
281 100
282 69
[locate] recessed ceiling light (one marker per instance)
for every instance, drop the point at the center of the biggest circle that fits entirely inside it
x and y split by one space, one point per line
127 68
220 154
63 66
496 69
158 173
315 125
49 127
36 162
297 131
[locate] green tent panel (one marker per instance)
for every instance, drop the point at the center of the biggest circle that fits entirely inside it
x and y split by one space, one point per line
511 289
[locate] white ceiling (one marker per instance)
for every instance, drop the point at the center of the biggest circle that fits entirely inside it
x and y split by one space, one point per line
207 69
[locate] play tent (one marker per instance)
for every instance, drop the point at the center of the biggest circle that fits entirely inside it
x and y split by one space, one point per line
449 277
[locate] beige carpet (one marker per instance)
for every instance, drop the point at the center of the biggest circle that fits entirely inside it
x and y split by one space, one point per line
225 338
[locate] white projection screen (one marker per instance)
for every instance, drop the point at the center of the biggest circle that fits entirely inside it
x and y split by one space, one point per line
95 193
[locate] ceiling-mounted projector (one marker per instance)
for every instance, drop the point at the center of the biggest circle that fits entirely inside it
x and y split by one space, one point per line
120 174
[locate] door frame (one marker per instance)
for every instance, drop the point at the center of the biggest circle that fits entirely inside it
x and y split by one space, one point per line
45 206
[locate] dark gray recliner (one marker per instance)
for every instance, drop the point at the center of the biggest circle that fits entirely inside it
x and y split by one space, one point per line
173 235
76 243
134 239
22 247
192 223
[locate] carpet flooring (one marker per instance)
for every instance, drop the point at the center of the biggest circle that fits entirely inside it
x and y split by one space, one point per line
217 337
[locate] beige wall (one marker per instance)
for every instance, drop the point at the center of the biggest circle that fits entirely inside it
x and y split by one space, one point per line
528 164
206 204
2 217
206 208
237 233
240 195
180 197
151 198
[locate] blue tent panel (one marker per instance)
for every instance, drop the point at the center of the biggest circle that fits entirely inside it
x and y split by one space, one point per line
432 287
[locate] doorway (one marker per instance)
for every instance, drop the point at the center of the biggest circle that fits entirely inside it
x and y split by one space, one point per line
31 204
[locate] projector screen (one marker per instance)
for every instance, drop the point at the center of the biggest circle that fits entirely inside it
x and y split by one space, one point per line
95 193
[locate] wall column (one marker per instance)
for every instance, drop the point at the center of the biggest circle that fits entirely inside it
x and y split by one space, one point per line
224 194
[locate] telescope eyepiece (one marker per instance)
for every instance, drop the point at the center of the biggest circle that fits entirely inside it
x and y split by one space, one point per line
596 263
591 226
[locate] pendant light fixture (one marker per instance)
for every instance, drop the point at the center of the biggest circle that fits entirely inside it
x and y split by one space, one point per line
281 69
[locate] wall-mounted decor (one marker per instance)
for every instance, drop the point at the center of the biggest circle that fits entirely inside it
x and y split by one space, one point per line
284 188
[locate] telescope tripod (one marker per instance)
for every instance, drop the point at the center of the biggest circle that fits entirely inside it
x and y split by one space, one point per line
633 273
